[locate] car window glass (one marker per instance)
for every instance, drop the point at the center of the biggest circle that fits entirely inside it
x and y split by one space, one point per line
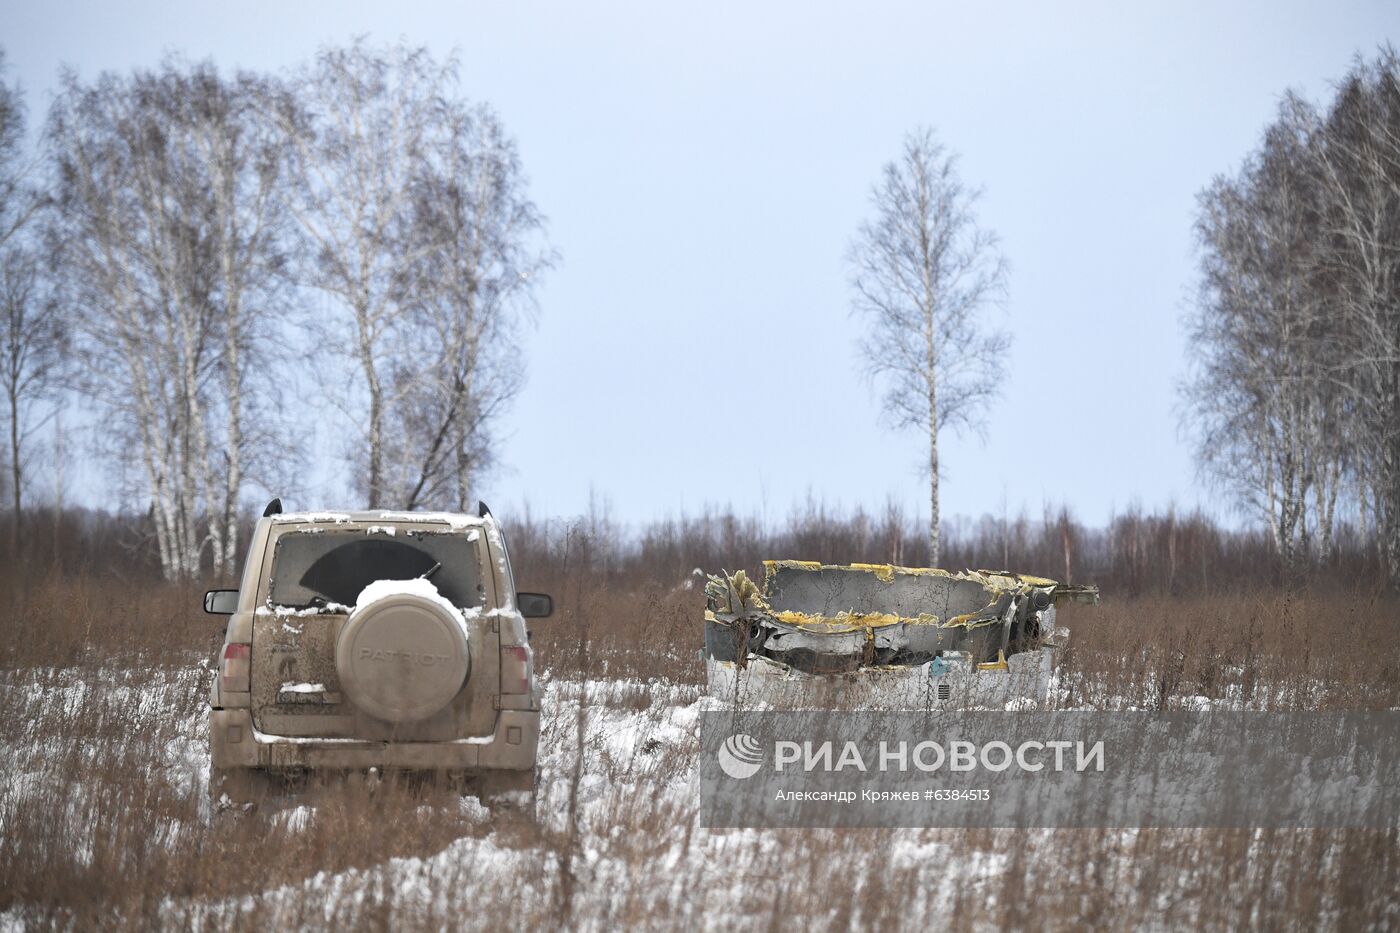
316 568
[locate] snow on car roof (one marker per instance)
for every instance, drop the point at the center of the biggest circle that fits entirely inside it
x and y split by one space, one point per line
457 520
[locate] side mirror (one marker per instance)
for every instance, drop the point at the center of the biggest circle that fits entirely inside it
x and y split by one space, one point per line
535 605
221 602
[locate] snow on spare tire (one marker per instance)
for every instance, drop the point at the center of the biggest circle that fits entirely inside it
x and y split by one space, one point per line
403 653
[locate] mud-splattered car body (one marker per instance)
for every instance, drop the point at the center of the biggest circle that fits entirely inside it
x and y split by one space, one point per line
902 631
372 642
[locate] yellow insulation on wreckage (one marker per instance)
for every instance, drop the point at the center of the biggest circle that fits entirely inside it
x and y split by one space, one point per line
842 622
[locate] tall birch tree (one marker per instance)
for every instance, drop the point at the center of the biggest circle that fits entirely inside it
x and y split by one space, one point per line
924 276
467 297
358 134
166 242
1295 390
20 196
1260 336
1358 167
32 342
31 335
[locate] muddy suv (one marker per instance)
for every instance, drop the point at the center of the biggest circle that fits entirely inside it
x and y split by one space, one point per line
373 642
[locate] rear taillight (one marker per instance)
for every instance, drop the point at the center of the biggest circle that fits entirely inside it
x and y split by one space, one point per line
234 667
515 668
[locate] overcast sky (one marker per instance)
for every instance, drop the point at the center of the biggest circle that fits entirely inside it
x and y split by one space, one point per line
704 165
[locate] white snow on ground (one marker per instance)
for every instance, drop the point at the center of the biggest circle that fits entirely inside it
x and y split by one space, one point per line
634 791
640 742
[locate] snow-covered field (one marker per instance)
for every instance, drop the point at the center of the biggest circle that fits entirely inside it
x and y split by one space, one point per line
618 844
104 820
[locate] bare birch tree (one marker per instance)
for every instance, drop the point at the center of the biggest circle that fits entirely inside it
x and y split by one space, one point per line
245 161
166 244
1295 395
1359 172
1261 410
31 346
30 334
924 273
127 277
358 139
467 297
20 197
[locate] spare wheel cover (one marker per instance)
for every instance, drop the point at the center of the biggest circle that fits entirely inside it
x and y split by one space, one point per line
402 658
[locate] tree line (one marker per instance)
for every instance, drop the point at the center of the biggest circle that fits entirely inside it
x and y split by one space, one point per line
182 232
1134 553
1294 394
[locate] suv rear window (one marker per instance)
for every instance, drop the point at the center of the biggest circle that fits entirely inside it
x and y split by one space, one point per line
317 568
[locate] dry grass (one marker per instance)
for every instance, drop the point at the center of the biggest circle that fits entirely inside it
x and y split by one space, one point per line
103 821
1257 649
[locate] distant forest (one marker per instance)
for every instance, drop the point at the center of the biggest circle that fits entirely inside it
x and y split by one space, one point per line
1135 554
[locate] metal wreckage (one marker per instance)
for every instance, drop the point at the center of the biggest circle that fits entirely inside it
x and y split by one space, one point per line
863 634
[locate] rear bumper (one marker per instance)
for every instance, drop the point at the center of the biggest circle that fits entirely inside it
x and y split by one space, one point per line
235 743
